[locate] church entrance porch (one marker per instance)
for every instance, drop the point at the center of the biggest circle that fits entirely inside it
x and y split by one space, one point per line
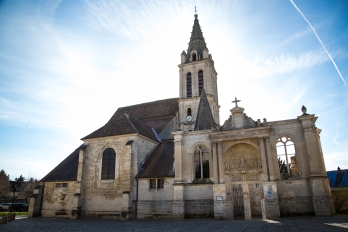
242 167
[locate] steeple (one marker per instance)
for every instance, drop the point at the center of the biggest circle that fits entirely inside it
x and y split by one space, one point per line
205 119
198 102
197 43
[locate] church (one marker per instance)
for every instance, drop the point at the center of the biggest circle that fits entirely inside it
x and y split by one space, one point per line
173 158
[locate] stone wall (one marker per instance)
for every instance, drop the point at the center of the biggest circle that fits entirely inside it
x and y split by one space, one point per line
105 197
295 197
58 201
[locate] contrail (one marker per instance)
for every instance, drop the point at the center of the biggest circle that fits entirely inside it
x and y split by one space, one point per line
319 40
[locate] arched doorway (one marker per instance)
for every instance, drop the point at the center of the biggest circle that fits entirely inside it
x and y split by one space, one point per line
242 163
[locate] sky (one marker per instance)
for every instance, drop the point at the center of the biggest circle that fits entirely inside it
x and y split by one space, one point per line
67 65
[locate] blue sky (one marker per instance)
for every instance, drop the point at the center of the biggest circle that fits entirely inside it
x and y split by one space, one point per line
66 66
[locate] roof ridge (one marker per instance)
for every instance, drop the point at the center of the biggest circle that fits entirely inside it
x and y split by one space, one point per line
128 117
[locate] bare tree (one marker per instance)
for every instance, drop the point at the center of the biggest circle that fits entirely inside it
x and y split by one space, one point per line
340 199
27 187
4 184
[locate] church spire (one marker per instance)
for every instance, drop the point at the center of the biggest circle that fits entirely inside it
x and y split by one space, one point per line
197 43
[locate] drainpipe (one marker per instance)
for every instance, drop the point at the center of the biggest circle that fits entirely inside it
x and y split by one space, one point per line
136 200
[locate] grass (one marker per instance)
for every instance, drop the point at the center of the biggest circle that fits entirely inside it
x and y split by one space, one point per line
17 213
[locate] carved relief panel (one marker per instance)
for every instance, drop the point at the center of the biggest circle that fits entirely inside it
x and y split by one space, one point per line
242 157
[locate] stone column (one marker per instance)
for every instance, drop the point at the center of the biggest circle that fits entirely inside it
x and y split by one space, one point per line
323 168
221 164
272 162
265 172
215 164
322 200
35 202
178 206
246 199
76 207
127 206
312 145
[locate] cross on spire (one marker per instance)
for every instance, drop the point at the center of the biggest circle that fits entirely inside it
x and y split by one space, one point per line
236 101
195 10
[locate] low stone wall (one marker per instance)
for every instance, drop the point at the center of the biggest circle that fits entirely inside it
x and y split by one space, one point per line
199 208
296 206
154 209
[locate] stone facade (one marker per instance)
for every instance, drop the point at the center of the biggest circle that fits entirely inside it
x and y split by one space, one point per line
148 163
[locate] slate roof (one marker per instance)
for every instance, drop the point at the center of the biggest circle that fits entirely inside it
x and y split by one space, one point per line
204 120
139 119
160 162
197 41
123 124
66 170
155 109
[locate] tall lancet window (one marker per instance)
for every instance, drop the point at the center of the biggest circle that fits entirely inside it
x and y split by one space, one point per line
201 162
200 82
188 85
108 164
286 155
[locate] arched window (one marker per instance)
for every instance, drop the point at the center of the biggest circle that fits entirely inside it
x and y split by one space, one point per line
286 155
108 164
189 112
200 82
201 162
188 85
194 57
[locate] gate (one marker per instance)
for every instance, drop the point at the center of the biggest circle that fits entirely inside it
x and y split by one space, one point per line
237 199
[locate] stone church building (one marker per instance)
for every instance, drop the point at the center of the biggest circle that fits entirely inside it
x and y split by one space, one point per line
172 158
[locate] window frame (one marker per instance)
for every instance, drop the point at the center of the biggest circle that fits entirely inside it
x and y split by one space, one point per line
189 85
201 163
110 167
285 142
156 184
200 82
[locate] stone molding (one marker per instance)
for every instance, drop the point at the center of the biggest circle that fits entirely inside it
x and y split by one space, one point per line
240 134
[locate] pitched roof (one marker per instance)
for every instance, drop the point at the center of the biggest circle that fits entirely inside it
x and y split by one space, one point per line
66 170
155 109
160 162
123 124
204 120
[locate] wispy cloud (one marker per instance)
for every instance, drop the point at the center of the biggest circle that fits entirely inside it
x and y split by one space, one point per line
333 62
48 8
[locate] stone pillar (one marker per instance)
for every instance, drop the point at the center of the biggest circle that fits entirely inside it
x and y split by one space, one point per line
127 206
273 165
178 206
178 147
246 200
222 208
323 168
265 172
322 199
270 203
35 202
215 164
221 164
312 144
76 208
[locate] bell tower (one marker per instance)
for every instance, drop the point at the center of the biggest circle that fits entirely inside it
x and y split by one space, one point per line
198 77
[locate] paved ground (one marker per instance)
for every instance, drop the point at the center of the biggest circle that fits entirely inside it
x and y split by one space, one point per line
315 224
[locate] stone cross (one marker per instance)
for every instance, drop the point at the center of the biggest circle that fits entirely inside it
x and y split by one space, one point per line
236 101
